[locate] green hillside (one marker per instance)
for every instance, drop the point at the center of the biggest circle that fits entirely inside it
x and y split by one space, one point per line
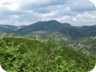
19 54
55 26
85 45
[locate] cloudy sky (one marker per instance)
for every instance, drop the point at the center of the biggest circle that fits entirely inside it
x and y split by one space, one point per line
25 12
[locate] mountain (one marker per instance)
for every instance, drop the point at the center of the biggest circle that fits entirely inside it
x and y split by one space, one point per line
7 28
46 27
55 26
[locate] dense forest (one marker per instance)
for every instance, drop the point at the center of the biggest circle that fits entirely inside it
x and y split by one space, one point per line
22 54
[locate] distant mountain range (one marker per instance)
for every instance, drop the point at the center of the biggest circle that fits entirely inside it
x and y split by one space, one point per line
51 26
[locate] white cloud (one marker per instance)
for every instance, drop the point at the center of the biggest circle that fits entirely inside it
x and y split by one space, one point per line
76 12
64 18
94 2
86 16
52 13
74 19
9 4
84 19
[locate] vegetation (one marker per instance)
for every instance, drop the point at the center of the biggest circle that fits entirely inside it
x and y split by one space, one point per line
47 27
86 45
19 54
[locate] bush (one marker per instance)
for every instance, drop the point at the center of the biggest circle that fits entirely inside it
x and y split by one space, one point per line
31 55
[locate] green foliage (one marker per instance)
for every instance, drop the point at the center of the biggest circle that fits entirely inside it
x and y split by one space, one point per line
86 45
32 55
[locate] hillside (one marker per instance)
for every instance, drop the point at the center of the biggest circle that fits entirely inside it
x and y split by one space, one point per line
46 27
7 29
55 26
29 54
85 45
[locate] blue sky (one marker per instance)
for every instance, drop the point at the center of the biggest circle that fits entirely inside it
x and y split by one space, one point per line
25 12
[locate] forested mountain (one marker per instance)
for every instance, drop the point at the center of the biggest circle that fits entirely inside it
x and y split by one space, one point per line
51 26
7 28
48 26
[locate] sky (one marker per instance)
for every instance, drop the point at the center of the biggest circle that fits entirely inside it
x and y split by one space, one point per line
25 12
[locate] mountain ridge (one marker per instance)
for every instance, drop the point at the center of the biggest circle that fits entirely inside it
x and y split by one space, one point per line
51 26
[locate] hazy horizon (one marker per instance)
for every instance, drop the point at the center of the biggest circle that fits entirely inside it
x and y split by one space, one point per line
46 20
